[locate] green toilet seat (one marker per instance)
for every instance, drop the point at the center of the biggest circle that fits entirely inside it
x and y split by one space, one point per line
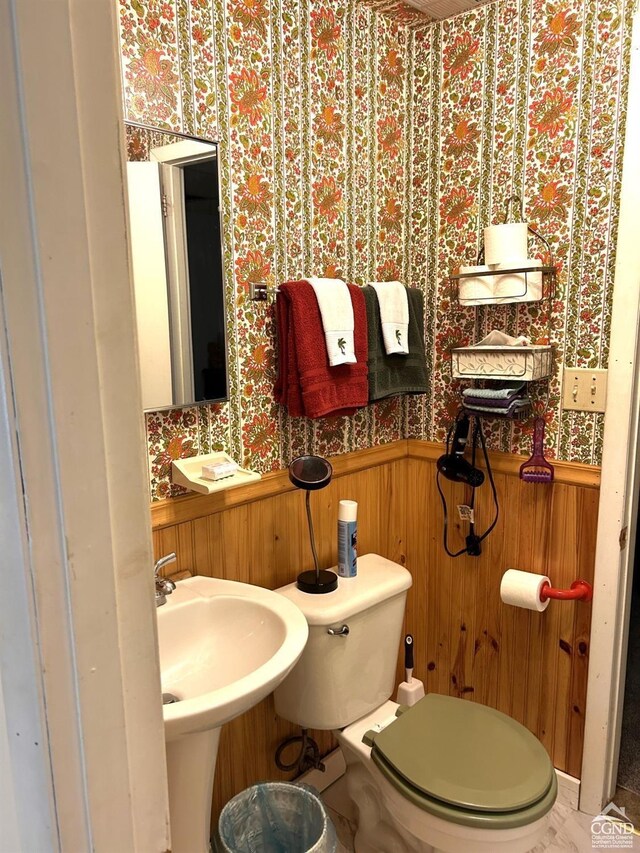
466 763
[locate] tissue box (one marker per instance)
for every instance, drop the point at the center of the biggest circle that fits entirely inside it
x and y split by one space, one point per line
527 363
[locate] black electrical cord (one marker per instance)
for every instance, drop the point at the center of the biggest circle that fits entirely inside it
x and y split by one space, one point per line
472 545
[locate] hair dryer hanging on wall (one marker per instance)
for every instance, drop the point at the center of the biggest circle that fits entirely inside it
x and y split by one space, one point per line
452 464
455 467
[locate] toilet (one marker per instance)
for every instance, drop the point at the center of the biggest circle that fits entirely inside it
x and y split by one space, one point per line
444 775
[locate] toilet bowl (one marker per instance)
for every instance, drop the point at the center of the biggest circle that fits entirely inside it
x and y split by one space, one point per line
397 816
445 775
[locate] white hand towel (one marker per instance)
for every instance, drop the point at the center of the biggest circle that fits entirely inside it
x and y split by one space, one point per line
394 315
336 311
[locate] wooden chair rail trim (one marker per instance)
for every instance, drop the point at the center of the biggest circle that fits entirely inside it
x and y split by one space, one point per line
170 511
569 473
166 513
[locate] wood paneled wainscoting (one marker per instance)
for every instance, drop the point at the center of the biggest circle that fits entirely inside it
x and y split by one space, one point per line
532 666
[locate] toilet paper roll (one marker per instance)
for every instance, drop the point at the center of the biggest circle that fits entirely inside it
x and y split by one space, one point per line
519 287
476 291
504 244
522 589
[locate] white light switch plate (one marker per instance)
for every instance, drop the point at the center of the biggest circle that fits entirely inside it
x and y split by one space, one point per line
584 390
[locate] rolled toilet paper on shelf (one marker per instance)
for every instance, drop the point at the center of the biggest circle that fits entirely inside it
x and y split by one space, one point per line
522 589
504 244
519 287
477 290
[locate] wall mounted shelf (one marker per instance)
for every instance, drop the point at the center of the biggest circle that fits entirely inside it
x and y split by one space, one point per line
504 285
507 271
528 363
187 473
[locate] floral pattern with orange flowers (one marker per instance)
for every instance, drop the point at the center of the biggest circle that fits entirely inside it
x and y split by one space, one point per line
252 14
548 114
560 34
357 140
254 195
390 135
248 95
327 196
391 215
154 76
392 68
456 207
252 268
328 125
463 139
325 31
552 202
460 57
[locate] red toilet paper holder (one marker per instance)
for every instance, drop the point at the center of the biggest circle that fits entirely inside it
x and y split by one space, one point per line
580 591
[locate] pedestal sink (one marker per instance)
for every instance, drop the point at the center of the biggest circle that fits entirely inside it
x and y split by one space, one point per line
224 646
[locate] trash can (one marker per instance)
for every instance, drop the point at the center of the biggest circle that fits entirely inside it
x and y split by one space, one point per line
276 817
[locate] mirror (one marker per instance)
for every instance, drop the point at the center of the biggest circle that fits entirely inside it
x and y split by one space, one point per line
176 247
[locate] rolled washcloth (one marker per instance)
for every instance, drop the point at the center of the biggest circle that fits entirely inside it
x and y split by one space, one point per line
516 405
505 392
394 315
336 311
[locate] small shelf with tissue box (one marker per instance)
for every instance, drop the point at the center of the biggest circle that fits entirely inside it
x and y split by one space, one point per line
210 473
528 363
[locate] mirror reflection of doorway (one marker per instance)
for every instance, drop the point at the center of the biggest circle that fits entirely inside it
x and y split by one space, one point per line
204 257
176 244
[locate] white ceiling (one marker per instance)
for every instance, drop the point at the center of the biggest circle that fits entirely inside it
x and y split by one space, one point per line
439 9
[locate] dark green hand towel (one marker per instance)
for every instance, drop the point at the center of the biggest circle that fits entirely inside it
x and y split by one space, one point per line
390 375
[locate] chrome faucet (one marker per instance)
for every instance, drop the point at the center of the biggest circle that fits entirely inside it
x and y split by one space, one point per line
164 586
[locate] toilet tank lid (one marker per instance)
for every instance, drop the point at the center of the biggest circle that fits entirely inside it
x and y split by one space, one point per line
378 580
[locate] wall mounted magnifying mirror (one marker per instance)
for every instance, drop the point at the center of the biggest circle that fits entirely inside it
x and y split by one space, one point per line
176 246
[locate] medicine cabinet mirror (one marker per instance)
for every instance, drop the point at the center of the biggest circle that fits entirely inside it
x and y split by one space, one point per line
176 247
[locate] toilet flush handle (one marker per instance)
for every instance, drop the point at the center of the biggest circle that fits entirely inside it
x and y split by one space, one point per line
338 632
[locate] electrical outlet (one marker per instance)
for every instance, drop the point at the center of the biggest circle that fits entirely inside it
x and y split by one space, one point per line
584 390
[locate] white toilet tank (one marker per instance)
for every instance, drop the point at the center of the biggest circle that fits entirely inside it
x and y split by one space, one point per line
342 677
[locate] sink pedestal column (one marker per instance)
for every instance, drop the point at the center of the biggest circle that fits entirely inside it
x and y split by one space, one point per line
191 765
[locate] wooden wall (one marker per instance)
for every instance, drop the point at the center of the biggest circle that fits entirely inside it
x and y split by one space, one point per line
467 643
533 666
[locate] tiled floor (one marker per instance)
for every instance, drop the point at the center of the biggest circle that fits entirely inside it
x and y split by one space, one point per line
569 831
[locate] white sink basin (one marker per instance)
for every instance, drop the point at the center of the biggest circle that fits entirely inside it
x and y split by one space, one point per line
224 646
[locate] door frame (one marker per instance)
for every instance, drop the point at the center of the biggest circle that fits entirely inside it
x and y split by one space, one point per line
81 719
620 479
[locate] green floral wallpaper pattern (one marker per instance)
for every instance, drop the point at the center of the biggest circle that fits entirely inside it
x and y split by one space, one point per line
362 141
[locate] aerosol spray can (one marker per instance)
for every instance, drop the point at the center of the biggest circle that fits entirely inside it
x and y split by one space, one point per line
347 539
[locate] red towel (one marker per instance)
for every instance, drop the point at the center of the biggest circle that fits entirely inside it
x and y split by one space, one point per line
306 383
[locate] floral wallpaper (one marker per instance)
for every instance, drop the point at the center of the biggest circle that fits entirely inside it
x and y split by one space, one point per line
528 98
364 141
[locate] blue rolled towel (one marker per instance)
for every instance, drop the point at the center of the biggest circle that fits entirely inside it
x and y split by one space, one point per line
504 391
